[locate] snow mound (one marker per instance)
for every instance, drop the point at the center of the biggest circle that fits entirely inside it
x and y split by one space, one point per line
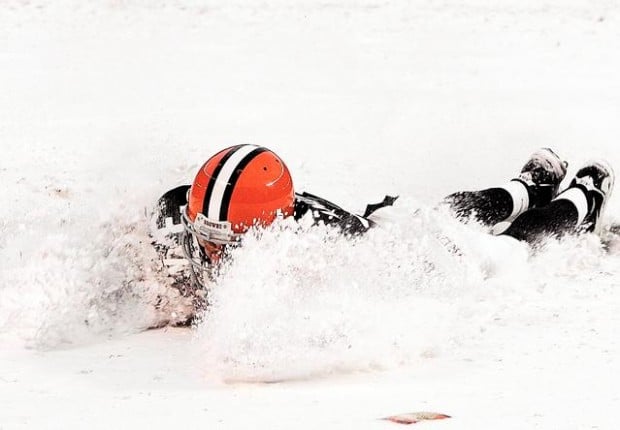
302 302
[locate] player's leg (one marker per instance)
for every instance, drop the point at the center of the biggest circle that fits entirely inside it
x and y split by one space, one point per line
535 186
577 209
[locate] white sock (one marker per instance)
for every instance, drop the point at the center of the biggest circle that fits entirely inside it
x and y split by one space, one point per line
520 197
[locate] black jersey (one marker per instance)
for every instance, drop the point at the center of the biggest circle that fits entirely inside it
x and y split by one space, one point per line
168 211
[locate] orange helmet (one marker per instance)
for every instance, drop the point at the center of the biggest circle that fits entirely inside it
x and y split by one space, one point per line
237 188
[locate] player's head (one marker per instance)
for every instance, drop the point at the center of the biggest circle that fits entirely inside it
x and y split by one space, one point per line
237 188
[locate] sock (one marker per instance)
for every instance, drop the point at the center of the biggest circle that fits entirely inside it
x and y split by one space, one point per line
579 198
520 195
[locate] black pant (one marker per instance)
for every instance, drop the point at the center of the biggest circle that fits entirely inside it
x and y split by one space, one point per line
495 205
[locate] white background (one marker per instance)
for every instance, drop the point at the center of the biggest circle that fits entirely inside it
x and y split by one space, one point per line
104 105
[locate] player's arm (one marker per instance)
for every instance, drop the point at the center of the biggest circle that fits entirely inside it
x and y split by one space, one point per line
326 212
166 228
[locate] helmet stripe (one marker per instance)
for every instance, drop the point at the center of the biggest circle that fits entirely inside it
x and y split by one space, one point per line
221 179
230 186
214 175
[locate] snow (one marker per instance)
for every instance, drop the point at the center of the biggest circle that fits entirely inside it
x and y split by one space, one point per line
107 104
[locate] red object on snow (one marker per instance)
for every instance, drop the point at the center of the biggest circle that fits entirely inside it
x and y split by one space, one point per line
415 417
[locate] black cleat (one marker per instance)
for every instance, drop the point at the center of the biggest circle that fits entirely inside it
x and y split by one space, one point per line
596 179
542 174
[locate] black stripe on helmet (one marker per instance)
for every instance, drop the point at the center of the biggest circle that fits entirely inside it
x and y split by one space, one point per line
213 178
230 187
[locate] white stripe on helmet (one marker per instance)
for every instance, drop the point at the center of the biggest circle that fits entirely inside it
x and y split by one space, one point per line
223 178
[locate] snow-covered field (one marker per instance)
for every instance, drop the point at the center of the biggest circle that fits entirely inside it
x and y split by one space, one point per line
104 105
